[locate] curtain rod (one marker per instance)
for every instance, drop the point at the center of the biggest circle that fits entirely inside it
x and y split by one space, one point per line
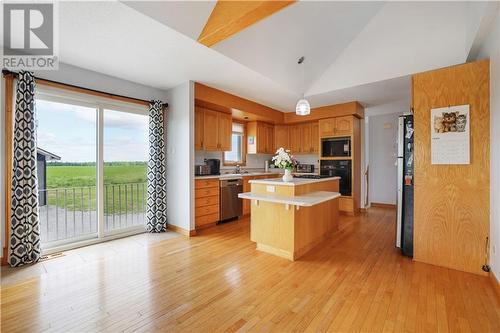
6 72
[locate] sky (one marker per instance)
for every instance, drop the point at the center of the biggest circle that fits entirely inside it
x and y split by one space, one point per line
69 131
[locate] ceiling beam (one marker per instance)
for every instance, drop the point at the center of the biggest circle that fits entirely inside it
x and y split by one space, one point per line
230 17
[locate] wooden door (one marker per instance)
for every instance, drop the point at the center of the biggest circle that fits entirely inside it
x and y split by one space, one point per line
295 139
281 137
270 139
343 125
225 131
305 138
315 137
261 138
198 129
210 130
327 127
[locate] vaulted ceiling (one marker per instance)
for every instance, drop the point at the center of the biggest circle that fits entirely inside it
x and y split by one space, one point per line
354 50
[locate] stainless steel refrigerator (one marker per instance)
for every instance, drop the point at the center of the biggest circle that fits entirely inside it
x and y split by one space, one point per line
404 227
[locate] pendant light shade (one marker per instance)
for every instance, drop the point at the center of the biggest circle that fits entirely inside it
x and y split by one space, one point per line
303 108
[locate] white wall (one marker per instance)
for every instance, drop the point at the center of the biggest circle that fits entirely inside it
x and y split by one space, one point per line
180 155
383 131
93 80
491 49
380 144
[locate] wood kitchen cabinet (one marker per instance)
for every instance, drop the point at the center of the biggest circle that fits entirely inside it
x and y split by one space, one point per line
198 129
281 137
295 142
213 130
315 137
338 126
206 202
260 138
304 138
225 131
343 125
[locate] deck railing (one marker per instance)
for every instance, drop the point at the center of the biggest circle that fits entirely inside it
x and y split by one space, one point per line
71 213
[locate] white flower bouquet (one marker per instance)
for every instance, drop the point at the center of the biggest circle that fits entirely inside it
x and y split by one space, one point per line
284 160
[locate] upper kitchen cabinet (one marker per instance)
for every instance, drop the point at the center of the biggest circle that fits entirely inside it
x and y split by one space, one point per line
295 141
304 138
281 134
225 125
315 137
327 127
343 125
338 126
260 138
198 129
212 130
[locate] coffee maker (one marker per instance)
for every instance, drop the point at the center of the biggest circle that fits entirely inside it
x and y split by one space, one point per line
214 165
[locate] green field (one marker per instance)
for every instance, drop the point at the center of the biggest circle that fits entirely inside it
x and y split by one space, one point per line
124 185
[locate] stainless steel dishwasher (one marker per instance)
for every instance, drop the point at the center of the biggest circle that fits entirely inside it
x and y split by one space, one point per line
230 205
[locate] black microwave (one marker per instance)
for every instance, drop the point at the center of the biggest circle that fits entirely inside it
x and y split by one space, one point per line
336 147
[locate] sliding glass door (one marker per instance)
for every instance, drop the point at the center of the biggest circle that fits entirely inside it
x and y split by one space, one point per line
125 140
66 171
91 168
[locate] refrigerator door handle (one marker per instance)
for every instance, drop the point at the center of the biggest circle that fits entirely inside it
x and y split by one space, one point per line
399 222
401 135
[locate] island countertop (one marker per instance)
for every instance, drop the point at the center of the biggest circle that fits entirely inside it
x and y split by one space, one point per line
294 182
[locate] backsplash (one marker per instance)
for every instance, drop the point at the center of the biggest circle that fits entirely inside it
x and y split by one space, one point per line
254 161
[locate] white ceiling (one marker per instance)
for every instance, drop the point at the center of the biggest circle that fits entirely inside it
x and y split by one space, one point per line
320 31
361 51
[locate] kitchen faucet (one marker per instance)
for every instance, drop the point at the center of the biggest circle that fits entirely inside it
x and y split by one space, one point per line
238 169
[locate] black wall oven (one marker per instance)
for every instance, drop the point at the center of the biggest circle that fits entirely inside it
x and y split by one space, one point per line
340 168
336 147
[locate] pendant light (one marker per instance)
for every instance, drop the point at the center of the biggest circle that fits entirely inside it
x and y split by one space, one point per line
303 108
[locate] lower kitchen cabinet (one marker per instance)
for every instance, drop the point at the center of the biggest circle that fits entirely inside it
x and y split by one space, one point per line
206 202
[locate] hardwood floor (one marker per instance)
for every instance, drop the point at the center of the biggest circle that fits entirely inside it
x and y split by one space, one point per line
217 281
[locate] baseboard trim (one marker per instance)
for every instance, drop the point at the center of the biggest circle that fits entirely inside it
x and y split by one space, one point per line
182 231
382 205
495 283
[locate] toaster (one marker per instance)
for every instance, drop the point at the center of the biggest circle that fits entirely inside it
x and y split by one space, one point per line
201 170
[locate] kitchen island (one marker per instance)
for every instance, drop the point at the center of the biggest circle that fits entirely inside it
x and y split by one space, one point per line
290 218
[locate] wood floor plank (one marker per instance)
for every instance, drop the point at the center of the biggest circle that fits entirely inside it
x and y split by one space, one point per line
355 281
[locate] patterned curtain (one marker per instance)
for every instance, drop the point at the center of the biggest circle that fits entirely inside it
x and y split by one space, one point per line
157 174
24 229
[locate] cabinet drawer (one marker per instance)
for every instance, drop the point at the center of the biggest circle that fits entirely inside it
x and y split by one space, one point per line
207 201
204 183
206 210
206 219
206 192
346 204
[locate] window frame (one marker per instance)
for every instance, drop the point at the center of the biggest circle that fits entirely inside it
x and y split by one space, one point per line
243 161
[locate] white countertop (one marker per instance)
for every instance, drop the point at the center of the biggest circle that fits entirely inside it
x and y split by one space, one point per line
306 200
294 182
237 175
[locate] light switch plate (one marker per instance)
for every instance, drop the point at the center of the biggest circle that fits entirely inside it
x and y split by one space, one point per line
270 189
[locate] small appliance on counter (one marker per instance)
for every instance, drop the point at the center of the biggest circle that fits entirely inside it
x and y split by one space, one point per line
404 225
201 170
214 165
305 168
